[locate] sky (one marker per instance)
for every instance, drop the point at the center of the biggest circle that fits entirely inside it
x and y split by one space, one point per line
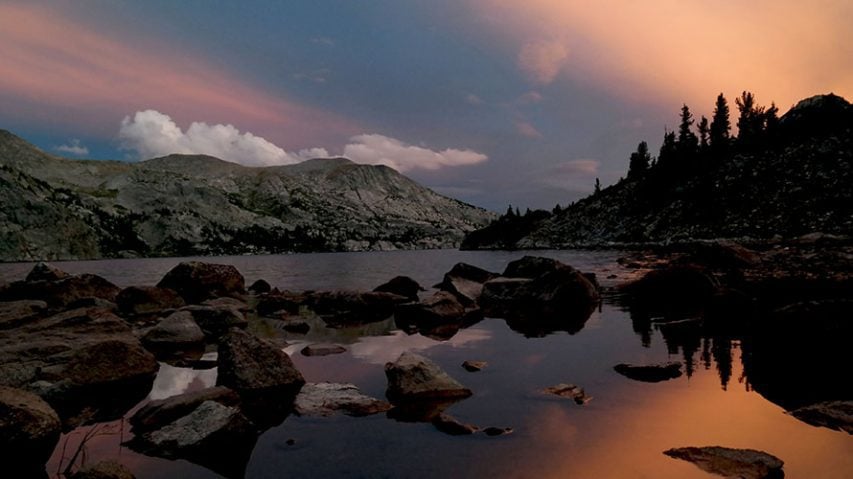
493 102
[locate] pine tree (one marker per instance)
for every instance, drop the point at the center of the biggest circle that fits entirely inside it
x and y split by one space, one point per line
668 151
509 213
704 132
750 122
640 161
720 127
597 187
687 143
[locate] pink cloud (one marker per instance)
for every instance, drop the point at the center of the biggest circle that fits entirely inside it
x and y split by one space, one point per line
527 130
51 63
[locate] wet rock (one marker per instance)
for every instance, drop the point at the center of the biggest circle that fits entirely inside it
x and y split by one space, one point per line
15 313
215 320
497 431
178 331
196 281
836 415
465 282
569 391
401 286
452 426
29 428
651 373
104 470
322 349
414 377
260 287
139 300
348 308
324 399
439 309
251 364
45 272
474 366
157 414
216 436
728 462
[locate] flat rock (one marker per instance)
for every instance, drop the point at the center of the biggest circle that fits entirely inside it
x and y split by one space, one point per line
157 414
104 470
569 391
177 331
836 415
29 427
248 363
728 462
474 366
322 349
414 377
138 300
325 399
402 286
15 313
650 373
196 281
497 431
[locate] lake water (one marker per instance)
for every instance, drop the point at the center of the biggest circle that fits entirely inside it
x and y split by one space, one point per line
621 433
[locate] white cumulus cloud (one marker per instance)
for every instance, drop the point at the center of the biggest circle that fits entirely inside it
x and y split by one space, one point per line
377 149
542 60
73 148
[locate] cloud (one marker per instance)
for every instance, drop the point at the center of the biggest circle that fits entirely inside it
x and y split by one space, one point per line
74 148
527 130
324 41
376 149
151 134
530 98
541 60
473 99
311 153
571 175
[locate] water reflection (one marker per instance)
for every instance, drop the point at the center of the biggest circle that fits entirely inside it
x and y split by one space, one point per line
383 349
171 381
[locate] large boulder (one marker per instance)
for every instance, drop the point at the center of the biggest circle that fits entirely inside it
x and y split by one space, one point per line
29 429
16 313
728 462
138 300
157 414
216 320
676 286
401 286
466 282
250 364
178 331
45 272
196 281
325 399
413 377
108 362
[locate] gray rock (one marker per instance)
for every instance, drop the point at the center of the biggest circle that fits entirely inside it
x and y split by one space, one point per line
216 320
466 282
401 286
414 377
104 470
649 373
157 414
439 309
226 302
251 364
196 281
324 399
836 415
62 292
45 272
322 349
728 462
177 331
136 300
15 313
29 427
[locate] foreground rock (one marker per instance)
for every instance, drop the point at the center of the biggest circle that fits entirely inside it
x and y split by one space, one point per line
728 462
216 320
29 429
16 313
157 414
62 292
104 470
325 399
401 286
45 272
836 415
570 391
176 332
250 364
414 377
139 300
651 373
196 281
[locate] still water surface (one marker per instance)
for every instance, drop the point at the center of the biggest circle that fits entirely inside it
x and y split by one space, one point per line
621 433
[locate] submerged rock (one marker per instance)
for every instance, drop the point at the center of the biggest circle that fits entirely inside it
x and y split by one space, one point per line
324 399
414 377
196 281
321 349
251 364
29 429
450 425
728 462
401 286
138 300
570 391
836 415
650 373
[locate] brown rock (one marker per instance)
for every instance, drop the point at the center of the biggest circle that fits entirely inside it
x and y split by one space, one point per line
177 331
248 363
452 426
474 366
215 320
110 361
104 470
414 377
570 391
196 281
136 300
649 373
157 414
401 286
45 272
836 415
29 428
322 349
728 462
15 313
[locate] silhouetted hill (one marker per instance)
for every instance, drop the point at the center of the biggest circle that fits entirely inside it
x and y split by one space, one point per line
792 177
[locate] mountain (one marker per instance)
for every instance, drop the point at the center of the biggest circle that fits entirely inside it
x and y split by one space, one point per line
792 179
182 205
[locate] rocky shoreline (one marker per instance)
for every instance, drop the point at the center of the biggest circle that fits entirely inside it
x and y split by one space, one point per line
77 350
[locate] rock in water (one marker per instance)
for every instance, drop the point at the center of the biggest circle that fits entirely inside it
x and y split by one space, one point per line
45 272
439 309
651 373
324 399
414 377
157 414
177 331
322 349
29 429
452 426
474 366
216 320
260 287
104 470
196 281
110 362
251 364
836 415
402 286
466 282
570 391
728 462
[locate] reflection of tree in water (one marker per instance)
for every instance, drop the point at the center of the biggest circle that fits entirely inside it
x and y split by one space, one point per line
722 351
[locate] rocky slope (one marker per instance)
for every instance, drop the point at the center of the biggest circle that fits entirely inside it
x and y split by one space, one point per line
179 205
797 183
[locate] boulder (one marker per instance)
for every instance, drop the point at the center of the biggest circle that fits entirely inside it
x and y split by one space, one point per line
401 286
108 362
532 267
276 305
414 377
15 313
497 431
196 281
836 415
260 287
474 366
29 428
321 349
650 373
350 308
177 331
45 272
728 462
465 282
157 414
251 364
104 470
216 320
138 300
439 309
324 399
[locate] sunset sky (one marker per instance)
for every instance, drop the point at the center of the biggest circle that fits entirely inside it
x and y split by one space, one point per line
490 101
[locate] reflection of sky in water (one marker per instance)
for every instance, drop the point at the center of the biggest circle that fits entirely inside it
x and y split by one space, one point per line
382 349
172 381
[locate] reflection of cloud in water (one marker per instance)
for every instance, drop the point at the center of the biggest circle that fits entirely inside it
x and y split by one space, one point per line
382 349
172 381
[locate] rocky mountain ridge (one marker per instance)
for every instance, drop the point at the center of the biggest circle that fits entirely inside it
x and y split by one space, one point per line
184 205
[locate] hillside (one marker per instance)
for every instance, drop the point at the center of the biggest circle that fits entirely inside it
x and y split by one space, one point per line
179 205
792 178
